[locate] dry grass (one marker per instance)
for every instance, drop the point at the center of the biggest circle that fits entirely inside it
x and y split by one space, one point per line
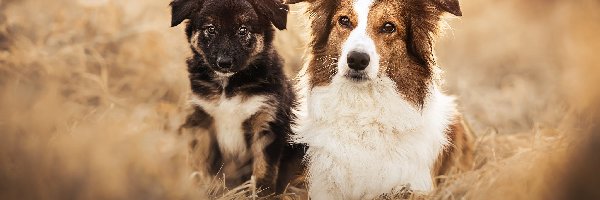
92 91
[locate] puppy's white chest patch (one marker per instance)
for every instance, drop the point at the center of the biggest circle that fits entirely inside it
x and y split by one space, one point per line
229 115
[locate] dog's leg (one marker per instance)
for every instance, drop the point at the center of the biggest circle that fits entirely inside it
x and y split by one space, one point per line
458 157
267 150
291 172
203 156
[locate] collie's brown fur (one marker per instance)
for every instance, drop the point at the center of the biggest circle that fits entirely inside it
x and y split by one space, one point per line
413 49
458 157
407 55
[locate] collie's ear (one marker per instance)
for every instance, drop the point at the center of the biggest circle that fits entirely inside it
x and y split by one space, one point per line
182 9
451 6
274 10
420 43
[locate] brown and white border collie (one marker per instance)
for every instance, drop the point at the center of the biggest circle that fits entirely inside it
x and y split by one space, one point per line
374 115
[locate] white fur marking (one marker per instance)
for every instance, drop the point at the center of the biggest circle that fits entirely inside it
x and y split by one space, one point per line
224 75
359 40
229 115
367 140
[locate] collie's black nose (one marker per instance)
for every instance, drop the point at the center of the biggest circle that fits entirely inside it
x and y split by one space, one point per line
358 60
224 63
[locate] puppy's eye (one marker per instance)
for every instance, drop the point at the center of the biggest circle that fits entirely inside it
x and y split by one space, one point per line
210 29
243 31
388 27
344 21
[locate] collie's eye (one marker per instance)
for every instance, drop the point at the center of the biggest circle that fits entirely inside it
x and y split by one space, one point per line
210 29
243 31
345 22
388 27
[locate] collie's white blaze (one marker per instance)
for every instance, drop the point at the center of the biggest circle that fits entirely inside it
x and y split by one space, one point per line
229 115
360 41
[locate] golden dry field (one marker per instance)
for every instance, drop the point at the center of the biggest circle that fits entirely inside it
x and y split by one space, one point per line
92 93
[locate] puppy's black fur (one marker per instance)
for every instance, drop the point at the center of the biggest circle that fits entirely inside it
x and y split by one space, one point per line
233 56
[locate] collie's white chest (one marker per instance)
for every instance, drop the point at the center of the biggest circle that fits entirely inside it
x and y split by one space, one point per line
367 140
229 114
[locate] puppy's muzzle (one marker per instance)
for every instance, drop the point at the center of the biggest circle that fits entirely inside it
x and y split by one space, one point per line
224 63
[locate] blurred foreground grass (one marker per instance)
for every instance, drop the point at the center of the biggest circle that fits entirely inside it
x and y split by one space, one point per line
92 92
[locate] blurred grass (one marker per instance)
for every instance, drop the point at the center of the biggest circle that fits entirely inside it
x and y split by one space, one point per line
92 92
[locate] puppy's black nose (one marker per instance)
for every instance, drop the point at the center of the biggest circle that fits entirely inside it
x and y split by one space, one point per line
358 60
224 63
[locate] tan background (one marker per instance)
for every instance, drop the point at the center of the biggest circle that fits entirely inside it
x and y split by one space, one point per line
92 91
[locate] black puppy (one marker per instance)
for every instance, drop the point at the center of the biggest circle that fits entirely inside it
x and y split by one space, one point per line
242 100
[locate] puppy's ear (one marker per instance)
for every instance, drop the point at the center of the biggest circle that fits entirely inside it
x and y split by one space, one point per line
451 6
274 10
182 9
